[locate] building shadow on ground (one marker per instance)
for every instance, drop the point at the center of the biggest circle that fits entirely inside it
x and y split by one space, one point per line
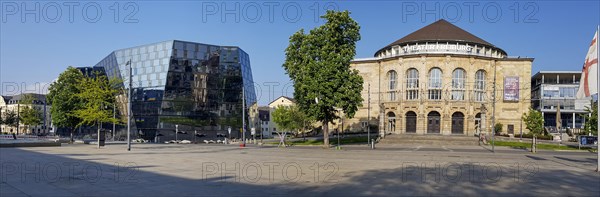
30 173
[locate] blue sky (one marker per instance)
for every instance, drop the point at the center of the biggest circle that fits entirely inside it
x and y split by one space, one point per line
555 33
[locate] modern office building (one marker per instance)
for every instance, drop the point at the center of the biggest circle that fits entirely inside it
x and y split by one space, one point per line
557 89
183 86
440 80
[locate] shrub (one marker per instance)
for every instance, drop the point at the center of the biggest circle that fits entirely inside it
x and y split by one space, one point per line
534 121
498 128
541 137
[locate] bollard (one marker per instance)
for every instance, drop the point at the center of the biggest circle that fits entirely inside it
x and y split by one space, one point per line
372 143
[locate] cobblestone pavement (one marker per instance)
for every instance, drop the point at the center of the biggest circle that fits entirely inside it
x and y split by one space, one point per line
356 170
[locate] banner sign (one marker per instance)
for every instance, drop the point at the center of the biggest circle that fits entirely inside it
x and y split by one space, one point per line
511 88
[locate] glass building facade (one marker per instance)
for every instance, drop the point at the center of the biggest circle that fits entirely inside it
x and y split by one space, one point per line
192 86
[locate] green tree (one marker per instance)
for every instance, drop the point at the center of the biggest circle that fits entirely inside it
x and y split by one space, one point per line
319 65
304 122
291 118
62 94
10 118
498 128
283 117
591 122
29 115
534 122
98 93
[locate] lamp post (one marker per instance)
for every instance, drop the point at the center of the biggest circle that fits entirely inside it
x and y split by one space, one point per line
369 114
114 117
243 117
493 126
482 125
521 130
19 114
339 147
129 106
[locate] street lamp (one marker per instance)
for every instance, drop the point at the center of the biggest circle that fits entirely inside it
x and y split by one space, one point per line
339 147
369 114
114 117
243 117
129 115
493 126
482 125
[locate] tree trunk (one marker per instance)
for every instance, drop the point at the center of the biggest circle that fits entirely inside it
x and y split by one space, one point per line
72 131
325 134
281 139
304 130
304 135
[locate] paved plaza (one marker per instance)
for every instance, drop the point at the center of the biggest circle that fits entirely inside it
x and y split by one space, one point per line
217 170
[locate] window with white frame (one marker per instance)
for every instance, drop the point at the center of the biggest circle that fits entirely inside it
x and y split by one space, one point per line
435 84
412 84
458 84
479 85
392 79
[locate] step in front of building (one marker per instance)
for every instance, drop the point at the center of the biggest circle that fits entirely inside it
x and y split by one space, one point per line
430 139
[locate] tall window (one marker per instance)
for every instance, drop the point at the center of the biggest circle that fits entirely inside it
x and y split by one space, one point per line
480 85
412 84
458 84
435 84
392 76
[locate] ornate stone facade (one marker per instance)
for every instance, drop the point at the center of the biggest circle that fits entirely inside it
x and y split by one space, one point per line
443 91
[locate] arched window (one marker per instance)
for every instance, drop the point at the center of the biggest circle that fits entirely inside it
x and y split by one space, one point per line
458 84
435 84
392 79
412 84
480 85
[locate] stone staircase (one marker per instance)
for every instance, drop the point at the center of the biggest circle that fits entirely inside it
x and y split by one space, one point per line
429 139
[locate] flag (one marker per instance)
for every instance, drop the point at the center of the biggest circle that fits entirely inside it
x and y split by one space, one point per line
589 74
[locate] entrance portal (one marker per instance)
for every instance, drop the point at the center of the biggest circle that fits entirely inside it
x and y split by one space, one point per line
411 122
433 122
391 126
458 122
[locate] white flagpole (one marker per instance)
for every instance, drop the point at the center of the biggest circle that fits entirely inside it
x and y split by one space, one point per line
598 94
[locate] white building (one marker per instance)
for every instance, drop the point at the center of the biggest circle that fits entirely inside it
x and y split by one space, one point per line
11 103
265 114
557 89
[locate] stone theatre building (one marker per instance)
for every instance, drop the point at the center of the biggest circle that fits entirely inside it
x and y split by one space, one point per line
440 80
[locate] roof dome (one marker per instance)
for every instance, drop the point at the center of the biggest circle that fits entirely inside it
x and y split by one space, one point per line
441 31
